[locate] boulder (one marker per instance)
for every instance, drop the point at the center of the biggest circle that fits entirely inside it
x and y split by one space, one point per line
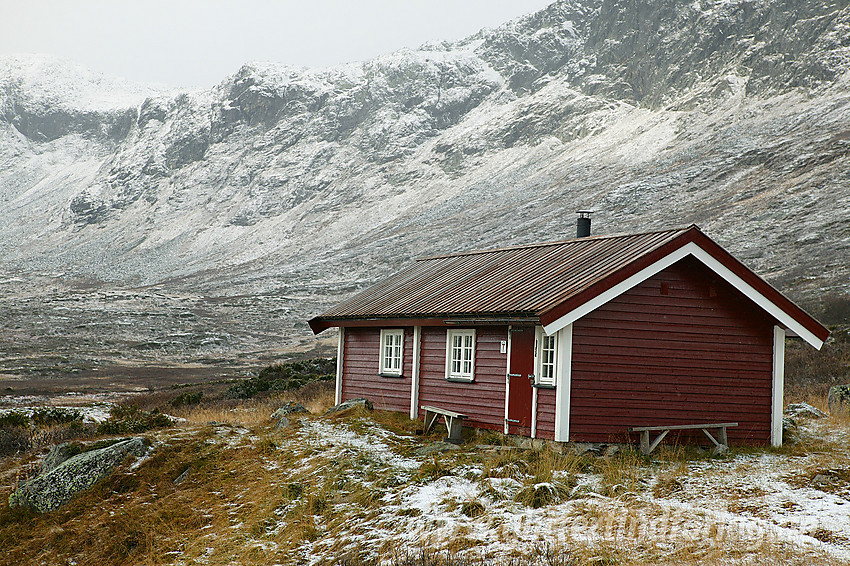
57 455
720 450
283 422
288 409
435 447
839 399
803 411
78 473
350 404
789 430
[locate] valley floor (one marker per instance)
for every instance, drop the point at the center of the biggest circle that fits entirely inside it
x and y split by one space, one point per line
224 486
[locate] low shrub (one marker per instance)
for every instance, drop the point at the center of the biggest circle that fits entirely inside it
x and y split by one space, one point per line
187 398
49 416
284 377
130 419
14 419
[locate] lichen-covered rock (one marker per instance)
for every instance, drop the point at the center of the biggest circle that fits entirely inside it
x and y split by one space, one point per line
56 487
57 455
288 409
803 411
839 399
350 404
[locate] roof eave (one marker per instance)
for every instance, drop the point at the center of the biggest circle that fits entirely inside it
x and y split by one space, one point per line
320 324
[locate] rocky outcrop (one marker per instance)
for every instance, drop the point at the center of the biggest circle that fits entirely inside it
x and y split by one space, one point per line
803 411
359 402
289 408
61 483
281 416
839 399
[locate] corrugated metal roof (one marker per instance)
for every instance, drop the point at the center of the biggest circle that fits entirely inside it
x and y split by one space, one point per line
524 280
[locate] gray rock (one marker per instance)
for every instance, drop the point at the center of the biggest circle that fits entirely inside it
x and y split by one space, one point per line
288 409
839 399
58 486
57 455
720 450
803 411
611 450
282 423
436 447
822 480
789 430
350 404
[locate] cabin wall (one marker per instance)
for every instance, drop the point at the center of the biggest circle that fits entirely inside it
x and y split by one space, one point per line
546 413
482 400
683 347
360 370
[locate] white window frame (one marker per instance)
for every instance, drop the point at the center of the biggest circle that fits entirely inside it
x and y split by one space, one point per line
461 375
539 342
390 369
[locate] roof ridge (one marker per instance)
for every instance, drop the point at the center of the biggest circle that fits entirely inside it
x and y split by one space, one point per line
557 242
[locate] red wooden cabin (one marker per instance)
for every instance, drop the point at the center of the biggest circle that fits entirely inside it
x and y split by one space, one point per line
576 340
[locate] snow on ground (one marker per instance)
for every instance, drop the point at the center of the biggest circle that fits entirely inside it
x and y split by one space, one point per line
96 413
753 501
328 434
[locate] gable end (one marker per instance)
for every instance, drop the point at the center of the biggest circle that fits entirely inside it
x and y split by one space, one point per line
725 266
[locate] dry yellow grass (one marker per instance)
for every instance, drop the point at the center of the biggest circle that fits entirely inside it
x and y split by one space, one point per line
252 494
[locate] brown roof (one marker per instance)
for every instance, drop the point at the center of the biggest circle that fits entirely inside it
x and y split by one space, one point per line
524 280
540 281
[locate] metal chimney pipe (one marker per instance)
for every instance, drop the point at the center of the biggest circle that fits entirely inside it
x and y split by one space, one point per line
583 223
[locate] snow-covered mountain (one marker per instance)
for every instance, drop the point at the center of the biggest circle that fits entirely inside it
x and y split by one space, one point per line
299 186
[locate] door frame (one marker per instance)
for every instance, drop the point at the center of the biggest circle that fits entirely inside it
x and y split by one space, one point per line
533 416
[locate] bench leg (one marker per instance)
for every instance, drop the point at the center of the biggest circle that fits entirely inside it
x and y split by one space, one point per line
723 439
657 440
644 442
453 426
711 438
430 419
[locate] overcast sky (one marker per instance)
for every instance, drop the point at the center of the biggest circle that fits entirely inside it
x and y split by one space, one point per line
200 42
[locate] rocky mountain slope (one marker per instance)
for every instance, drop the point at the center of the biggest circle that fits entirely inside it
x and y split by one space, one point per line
282 190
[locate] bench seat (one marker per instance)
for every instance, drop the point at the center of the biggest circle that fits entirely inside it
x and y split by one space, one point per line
454 422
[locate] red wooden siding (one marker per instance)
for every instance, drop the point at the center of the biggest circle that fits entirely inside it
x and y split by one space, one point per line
484 399
699 353
360 368
546 413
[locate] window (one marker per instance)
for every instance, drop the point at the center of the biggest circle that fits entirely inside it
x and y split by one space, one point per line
460 355
545 355
391 347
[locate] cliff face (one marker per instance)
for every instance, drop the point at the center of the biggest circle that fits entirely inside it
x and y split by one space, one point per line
308 184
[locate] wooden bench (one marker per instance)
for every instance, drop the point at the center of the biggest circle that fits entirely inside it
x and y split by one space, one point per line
646 447
454 422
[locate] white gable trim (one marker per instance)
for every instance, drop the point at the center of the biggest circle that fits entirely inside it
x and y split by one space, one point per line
777 400
340 353
693 249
